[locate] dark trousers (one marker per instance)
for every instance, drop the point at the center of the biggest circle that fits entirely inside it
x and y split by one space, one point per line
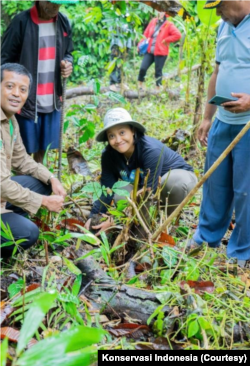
21 227
115 76
147 61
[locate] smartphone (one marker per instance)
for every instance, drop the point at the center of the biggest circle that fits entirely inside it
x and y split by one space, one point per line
218 100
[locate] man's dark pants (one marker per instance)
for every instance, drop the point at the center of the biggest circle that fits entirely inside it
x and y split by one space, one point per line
21 227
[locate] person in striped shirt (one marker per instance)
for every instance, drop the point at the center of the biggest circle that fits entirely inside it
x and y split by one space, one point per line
40 40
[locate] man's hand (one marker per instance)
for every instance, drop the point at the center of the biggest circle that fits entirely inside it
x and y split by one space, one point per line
240 105
53 203
103 226
87 224
57 187
203 131
66 68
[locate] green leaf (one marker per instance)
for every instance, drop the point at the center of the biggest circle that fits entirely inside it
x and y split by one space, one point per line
193 328
115 96
65 126
71 309
64 349
77 285
4 350
170 257
206 16
121 205
29 296
15 287
121 192
88 236
120 184
34 317
204 324
96 86
166 275
73 269
116 213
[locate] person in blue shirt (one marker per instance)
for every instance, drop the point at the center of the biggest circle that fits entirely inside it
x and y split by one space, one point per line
227 189
128 149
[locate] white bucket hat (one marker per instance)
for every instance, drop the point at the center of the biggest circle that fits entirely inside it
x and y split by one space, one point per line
117 116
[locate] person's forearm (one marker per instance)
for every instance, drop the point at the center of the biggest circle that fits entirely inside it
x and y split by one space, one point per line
210 109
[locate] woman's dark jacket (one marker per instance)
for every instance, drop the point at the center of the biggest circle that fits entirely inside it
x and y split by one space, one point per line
149 154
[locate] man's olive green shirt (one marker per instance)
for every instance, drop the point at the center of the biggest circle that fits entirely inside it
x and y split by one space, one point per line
14 158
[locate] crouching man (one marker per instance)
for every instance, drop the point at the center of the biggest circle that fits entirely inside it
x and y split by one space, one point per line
32 184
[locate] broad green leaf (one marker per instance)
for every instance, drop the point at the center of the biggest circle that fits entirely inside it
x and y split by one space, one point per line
116 213
204 324
84 357
166 275
120 184
170 257
206 16
121 205
121 192
53 351
4 350
15 287
34 317
193 328
73 269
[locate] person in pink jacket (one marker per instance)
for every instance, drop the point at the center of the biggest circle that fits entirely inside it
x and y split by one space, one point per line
160 33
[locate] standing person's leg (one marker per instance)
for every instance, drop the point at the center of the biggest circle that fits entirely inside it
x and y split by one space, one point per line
34 185
159 63
30 132
217 204
115 76
176 185
147 61
21 228
50 133
239 243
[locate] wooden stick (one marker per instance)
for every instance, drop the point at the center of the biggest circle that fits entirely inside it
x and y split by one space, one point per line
143 225
61 129
200 183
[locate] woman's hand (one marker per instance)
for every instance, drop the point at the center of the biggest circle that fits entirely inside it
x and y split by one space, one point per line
104 226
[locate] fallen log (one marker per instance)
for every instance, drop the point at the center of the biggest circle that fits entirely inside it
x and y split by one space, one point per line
130 94
112 297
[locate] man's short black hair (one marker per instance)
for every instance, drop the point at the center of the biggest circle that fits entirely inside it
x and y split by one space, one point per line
18 69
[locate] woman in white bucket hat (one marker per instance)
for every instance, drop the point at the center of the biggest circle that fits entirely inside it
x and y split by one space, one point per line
128 149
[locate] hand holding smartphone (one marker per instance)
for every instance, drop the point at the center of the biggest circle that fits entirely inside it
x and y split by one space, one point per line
218 100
